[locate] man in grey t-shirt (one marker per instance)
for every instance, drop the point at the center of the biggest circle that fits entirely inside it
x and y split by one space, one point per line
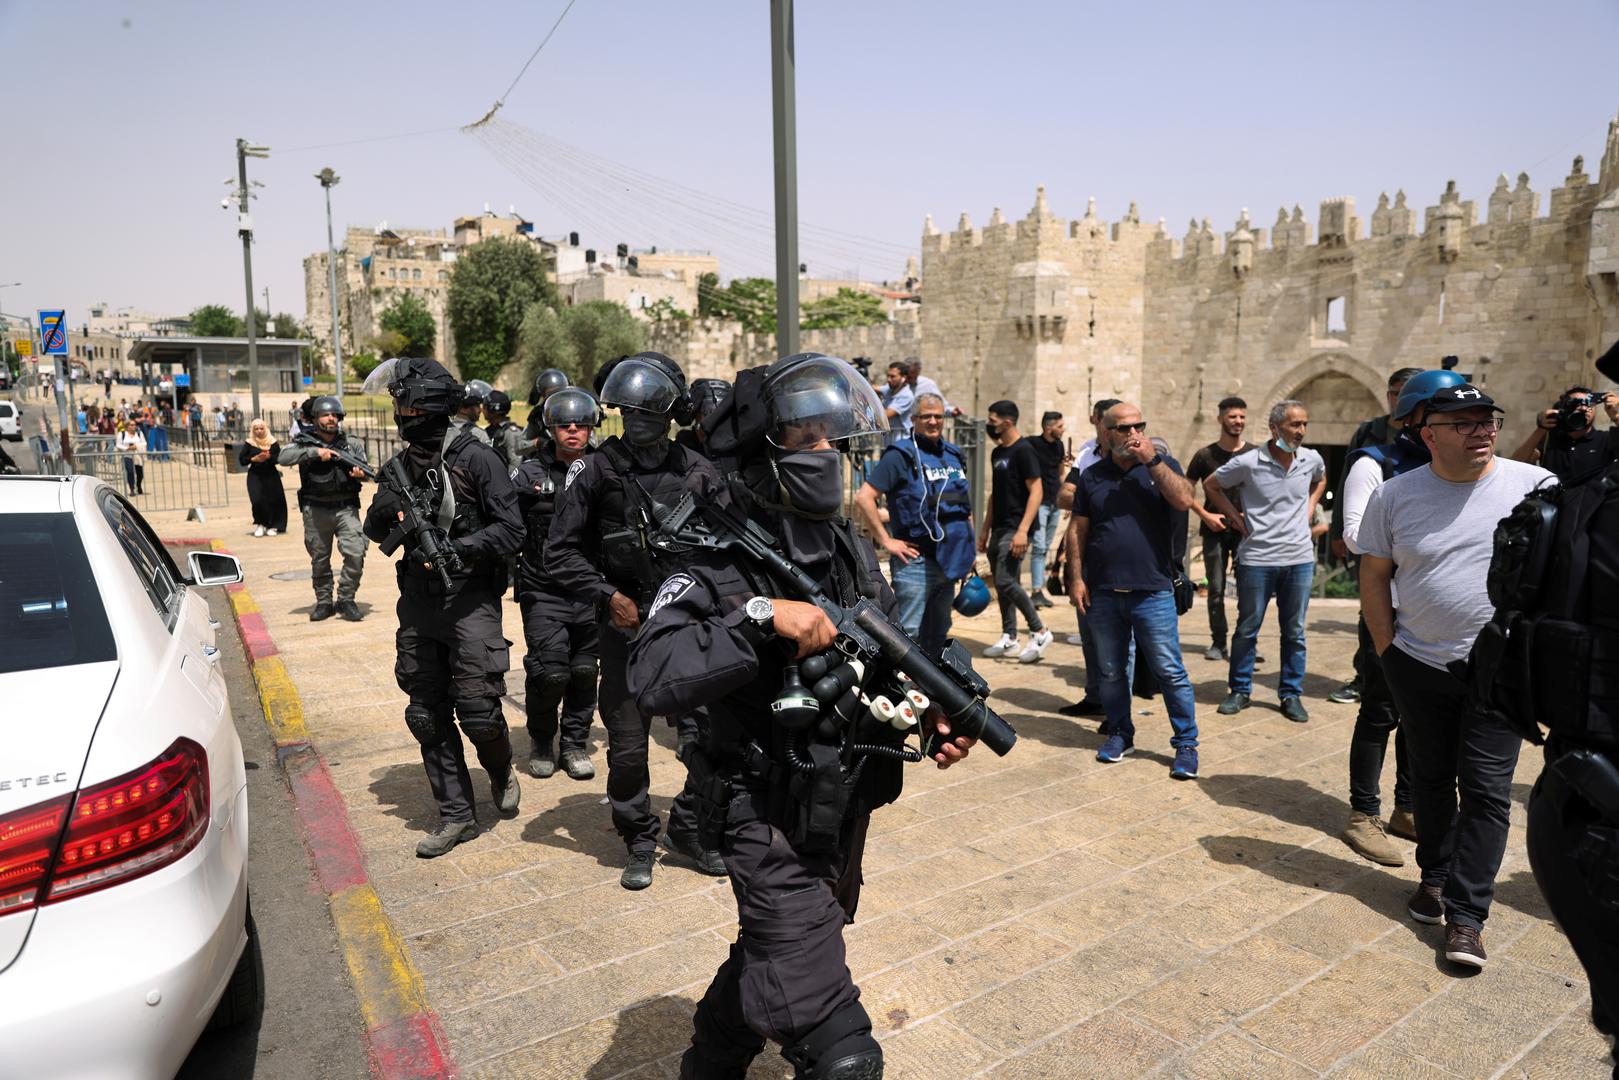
1281 483
1431 532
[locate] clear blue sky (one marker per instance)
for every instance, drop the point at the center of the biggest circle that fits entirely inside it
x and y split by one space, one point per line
123 119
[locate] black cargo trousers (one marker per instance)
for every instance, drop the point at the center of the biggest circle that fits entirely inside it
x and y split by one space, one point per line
786 974
561 669
451 660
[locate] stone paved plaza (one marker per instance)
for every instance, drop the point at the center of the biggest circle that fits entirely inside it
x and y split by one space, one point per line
1041 915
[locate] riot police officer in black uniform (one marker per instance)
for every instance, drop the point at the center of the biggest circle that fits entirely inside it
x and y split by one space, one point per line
599 550
329 499
465 417
452 655
546 383
706 395
561 663
505 436
718 635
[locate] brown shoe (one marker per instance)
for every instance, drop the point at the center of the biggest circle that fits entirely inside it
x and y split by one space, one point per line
1364 834
1404 825
1425 904
1464 945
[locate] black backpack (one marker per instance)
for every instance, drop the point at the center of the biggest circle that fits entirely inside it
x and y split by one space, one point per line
1550 655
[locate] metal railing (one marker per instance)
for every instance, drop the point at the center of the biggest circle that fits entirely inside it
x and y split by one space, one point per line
966 433
175 479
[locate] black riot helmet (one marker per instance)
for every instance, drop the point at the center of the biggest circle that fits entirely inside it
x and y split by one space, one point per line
477 391
648 381
571 405
416 382
812 396
547 383
706 395
498 402
326 405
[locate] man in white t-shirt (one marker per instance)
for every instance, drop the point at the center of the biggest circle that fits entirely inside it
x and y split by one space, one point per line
1430 533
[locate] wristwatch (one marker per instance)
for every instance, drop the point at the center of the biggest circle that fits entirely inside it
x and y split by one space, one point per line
762 610
1157 459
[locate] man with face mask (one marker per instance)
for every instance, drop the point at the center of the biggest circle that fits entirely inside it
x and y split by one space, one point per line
505 436
598 550
720 635
465 418
329 499
452 655
1281 484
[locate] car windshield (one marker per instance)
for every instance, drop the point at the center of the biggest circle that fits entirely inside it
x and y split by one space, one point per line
51 613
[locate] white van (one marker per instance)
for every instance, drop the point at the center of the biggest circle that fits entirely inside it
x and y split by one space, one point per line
10 421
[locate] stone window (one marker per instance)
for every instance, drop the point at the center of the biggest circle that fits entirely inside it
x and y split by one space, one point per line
416 275
1336 326
444 275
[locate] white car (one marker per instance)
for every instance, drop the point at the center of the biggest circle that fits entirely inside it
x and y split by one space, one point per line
10 421
124 923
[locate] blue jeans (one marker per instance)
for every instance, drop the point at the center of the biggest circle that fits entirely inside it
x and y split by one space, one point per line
1150 618
1046 520
1256 585
924 596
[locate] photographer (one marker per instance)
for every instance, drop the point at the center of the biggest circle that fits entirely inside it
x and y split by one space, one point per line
1565 440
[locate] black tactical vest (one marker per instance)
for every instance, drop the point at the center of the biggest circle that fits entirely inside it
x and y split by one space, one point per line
328 483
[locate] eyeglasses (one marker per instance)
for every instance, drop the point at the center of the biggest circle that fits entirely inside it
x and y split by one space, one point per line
1127 428
931 417
1466 428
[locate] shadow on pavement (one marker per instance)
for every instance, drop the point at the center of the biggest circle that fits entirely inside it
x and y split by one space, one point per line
660 1028
1292 801
580 823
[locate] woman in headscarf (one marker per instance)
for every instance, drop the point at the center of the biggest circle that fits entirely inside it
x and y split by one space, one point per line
264 488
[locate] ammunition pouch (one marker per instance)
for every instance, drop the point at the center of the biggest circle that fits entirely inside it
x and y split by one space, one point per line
711 796
818 801
626 562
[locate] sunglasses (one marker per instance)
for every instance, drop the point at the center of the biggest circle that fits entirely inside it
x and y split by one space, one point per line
571 424
1127 428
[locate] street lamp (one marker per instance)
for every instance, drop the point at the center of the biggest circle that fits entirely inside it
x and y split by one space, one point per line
244 228
328 180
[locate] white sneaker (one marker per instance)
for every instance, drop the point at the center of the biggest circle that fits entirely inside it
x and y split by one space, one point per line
1007 644
271 532
1036 649
1074 639
258 530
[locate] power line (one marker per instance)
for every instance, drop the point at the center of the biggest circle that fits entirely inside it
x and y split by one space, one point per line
373 139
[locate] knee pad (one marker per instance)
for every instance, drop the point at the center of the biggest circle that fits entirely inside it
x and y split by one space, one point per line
841 1048
582 676
427 721
552 678
481 719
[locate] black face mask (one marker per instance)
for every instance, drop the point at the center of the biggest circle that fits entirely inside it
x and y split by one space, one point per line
422 430
992 428
811 482
644 430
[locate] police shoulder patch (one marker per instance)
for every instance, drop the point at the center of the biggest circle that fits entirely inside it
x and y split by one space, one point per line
670 591
573 470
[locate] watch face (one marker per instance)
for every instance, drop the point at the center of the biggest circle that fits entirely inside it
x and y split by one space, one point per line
760 608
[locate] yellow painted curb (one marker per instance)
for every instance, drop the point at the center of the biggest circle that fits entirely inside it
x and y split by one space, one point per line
283 711
386 982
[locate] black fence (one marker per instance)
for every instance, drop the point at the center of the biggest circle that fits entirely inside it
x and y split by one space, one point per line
965 432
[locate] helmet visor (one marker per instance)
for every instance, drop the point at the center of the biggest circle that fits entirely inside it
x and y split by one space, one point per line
570 406
823 398
382 375
636 384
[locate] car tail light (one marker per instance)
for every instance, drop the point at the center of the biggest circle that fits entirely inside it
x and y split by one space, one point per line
115 831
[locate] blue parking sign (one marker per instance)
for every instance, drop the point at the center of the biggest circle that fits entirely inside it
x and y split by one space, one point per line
53 333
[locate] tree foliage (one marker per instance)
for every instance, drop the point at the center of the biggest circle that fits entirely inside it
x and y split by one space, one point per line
846 307
749 301
408 318
491 289
215 320
665 309
364 364
577 340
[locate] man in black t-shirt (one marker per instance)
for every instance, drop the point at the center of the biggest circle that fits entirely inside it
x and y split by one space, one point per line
1571 447
1219 542
1054 461
1014 502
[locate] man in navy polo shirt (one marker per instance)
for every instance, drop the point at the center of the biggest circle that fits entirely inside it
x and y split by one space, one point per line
1125 509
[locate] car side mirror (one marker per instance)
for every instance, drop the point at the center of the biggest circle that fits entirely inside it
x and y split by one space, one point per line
212 568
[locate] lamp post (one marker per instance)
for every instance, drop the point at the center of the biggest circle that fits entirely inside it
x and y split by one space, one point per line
328 180
244 228
784 113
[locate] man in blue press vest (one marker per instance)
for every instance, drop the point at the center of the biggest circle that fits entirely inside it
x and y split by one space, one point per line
929 535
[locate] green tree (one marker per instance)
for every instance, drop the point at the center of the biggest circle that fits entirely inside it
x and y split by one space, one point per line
364 364
215 320
491 288
391 343
708 284
578 340
749 301
666 309
846 307
409 318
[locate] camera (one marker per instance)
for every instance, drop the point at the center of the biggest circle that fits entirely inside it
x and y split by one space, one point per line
1571 415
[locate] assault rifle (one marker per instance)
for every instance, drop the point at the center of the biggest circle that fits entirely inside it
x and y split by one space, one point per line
865 632
419 523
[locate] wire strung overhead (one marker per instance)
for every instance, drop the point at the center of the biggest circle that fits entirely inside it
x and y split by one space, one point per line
608 199
490 115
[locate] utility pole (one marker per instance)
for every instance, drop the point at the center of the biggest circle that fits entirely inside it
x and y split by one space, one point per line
244 228
784 113
328 180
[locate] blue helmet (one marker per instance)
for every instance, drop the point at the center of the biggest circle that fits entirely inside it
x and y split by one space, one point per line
1423 386
973 597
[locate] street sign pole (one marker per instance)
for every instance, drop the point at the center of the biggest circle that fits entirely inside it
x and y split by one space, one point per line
53 343
784 112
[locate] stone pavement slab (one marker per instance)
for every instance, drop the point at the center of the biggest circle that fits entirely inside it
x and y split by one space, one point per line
1039 915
